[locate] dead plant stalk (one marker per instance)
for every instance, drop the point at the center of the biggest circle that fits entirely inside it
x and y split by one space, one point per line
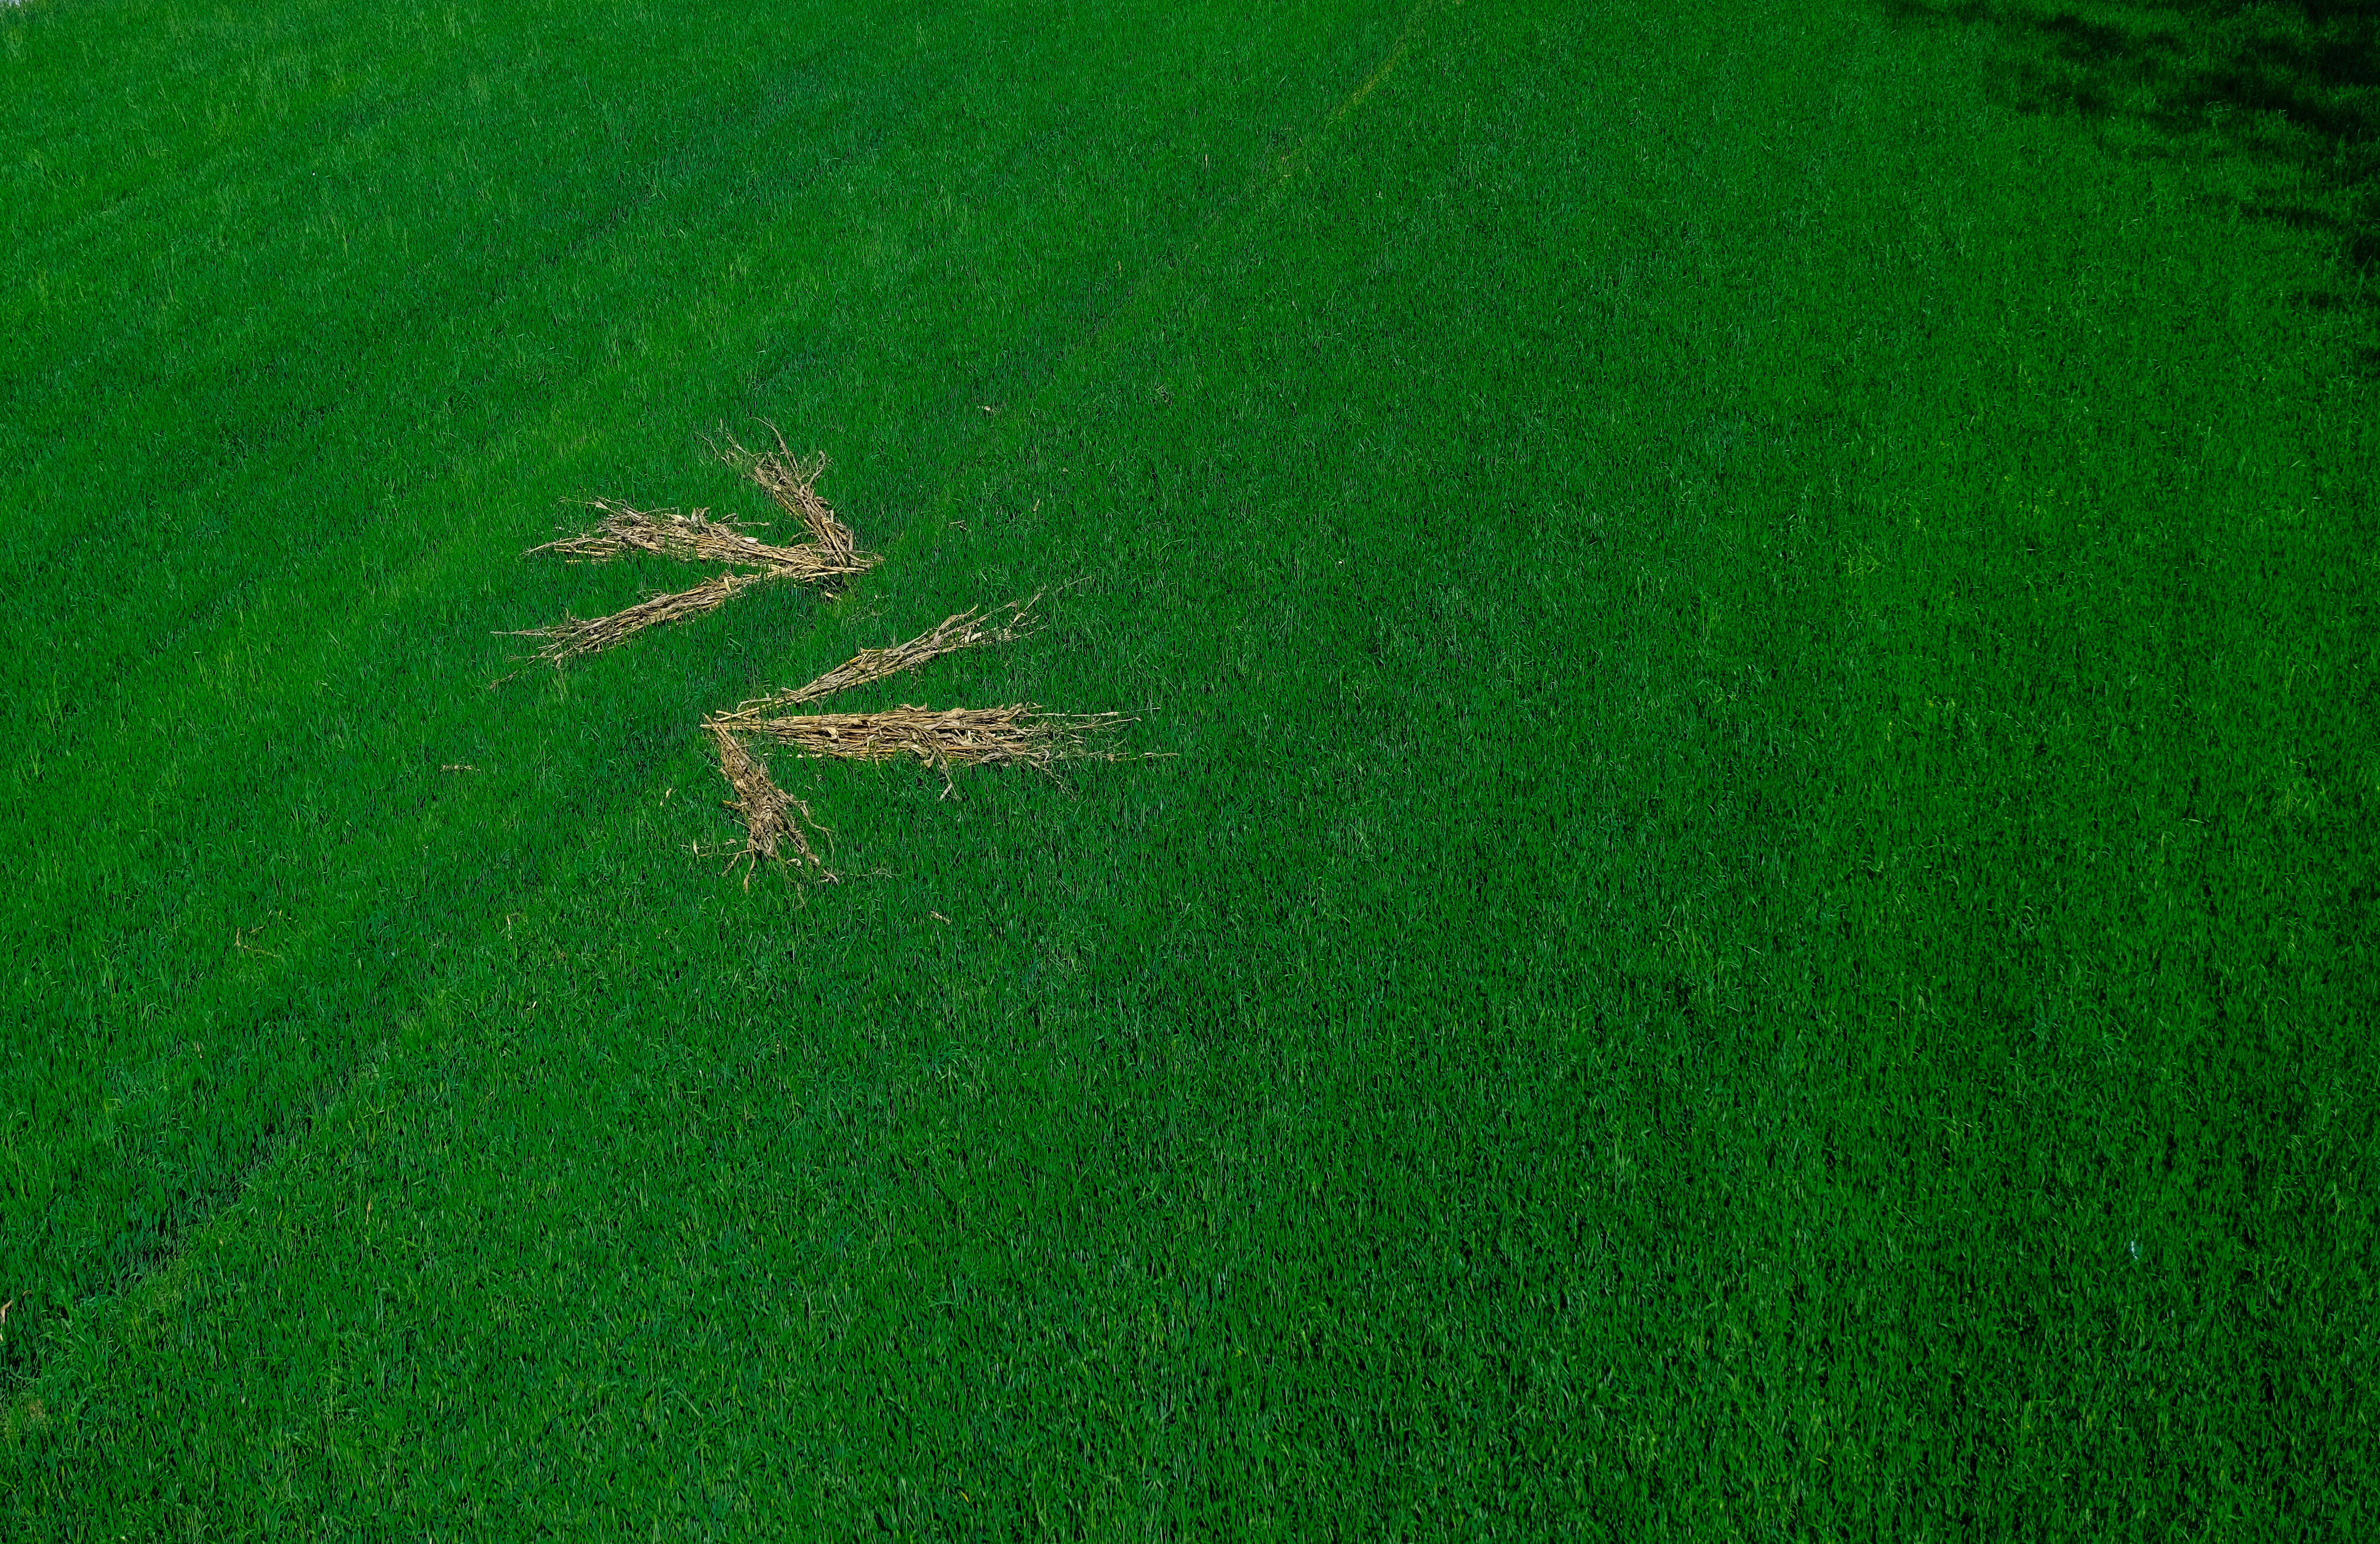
572 637
966 630
768 812
831 553
696 538
1018 735
792 483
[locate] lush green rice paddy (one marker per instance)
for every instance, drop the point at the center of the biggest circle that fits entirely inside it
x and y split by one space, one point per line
1758 917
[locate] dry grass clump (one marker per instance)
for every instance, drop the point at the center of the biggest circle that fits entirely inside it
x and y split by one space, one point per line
831 553
966 630
1019 735
573 636
694 538
792 482
768 812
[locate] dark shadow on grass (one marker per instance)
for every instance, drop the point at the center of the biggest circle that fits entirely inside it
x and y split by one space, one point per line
2288 83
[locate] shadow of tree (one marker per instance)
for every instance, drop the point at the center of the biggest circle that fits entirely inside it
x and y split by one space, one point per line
2293 85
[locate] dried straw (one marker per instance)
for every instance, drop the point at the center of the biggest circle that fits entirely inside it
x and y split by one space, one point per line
966 630
1019 735
694 538
792 482
767 810
831 553
573 636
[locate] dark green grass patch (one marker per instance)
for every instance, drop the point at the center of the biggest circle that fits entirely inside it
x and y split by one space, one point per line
1759 922
2280 102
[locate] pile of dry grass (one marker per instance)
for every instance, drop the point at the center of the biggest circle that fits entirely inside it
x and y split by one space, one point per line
767 813
831 553
1015 736
694 538
573 636
1019 735
792 482
966 630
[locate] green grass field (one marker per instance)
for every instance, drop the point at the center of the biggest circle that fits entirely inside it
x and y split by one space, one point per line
1757 917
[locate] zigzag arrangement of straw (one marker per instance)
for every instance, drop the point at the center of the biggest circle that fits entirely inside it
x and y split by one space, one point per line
831 553
1018 735
776 826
